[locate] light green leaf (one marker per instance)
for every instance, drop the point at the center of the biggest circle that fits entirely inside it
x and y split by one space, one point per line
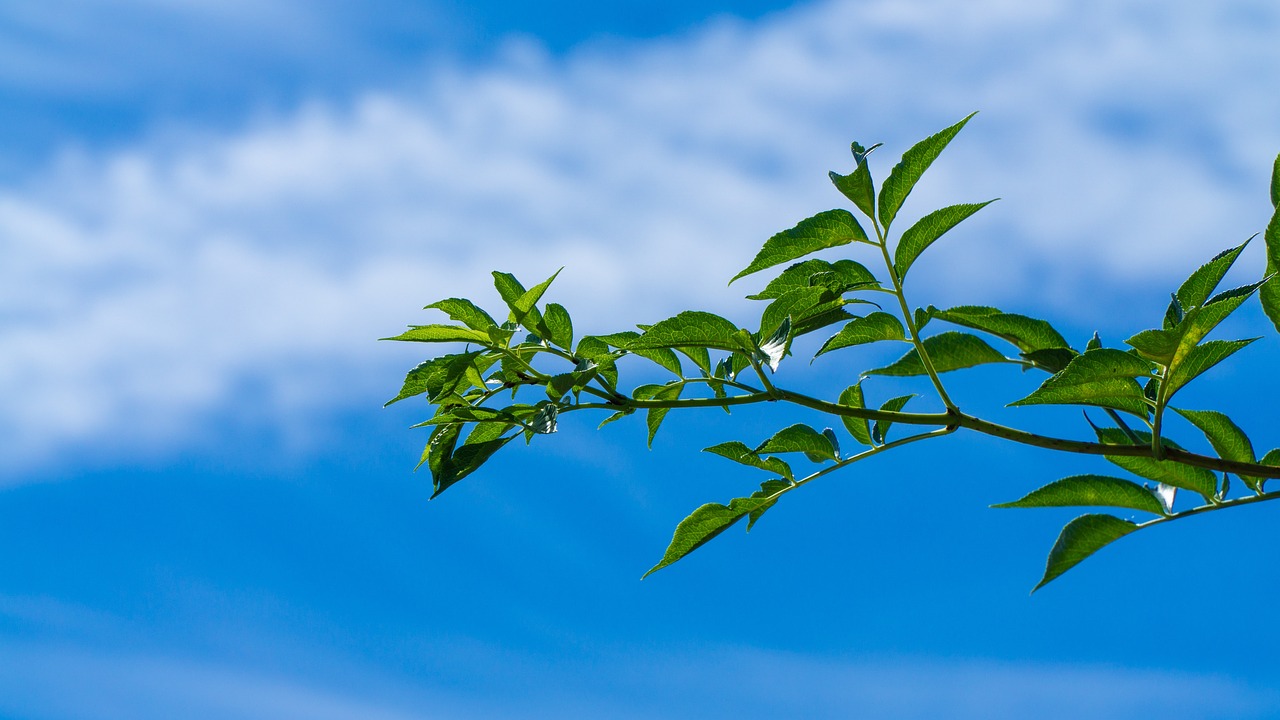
1186 477
464 311
880 431
948 351
1102 377
441 333
1170 347
872 328
689 329
799 438
559 326
1028 334
655 416
928 229
1199 359
1270 294
904 176
1081 538
1090 490
523 303
839 276
1201 284
857 427
704 524
769 490
857 186
1227 439
1094 343
740 453
825 230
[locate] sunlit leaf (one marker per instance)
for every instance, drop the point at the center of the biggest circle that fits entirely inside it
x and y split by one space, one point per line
442 333
689 329
928 229
838 276
857 186
464 311
1028 334
825 230
948 351
1199 359
559 326
769 490
1270 294
799 438
872 328
904 176
1102 377
1081 538
704 524
1090 490
1201 284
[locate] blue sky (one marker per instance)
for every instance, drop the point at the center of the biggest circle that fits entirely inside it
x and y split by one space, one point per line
208 211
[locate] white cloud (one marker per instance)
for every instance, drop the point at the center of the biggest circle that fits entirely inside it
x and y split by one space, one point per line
141 287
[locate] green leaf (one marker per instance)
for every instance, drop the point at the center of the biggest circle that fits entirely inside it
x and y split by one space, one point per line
1102 377
559 326
655 416
1272 459
1186 477
769 490
825 230
1270 295
1169 347
1094 343
704 524
1275 184
485 440
800 306
441 333
773 348
927 230
440 445
689 329
1051 360
857 186
464 311
872 328
1199 359
857 427
1201 284
1081 538
523 303
1227 439
1028 334
1090 490
880 431
442 376
839 276
948 351
907 172
799 438
740 453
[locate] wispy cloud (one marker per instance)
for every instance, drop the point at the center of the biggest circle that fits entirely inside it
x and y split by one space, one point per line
142 287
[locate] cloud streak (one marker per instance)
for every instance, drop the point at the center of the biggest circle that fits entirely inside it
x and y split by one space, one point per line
144 288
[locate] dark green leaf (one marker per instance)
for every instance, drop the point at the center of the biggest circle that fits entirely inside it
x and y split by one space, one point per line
1227 439
544 420
904 176
1028 334
1201 284
948 351
464 311
485 440
1186 477
1275 184
1090 490
1102 377
1081 538
1173 314
1052 360
689 329
824 230
1272 459
857 186
655 416
927 229
1094 343
769 490
799 438
872 328
1170 347
794 305
701 359
444 438
704 524
740 453
857 427
839 276
559 326
880 431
